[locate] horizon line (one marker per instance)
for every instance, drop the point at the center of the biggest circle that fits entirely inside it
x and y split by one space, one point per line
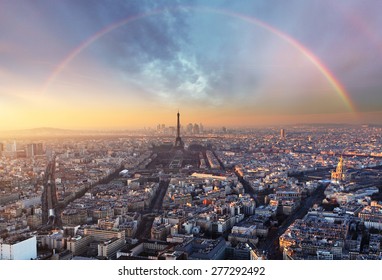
153 127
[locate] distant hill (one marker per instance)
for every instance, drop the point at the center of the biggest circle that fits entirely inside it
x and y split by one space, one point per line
48 130
58 132
40 131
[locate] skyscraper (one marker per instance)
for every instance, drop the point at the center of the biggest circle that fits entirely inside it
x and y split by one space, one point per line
190 128
196 129
31 150
201 128
282 133
39 149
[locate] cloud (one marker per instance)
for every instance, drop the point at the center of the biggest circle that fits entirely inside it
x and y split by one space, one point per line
199 58
155 53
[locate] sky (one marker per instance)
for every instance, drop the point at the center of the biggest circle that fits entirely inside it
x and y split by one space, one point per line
134 63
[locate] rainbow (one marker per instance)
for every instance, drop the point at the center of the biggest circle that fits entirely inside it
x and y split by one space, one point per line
76 51
332 80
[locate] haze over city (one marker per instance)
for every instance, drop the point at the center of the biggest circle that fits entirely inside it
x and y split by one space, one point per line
130 64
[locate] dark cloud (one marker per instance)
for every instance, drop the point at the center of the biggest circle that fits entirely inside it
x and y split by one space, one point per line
153 38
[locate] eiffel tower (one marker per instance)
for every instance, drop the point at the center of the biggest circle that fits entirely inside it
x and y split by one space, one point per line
178 140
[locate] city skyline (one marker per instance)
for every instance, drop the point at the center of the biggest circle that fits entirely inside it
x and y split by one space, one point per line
129 64
302 194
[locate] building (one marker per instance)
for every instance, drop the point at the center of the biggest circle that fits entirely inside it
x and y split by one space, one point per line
203 249
190 128
147 250
74 216
339 174
64 255
78 245
242 251
24 249
55 240
196 129
372 216
324 255
314 236
104 235
160 231
34 221
30 150
282 133
34 149
109 248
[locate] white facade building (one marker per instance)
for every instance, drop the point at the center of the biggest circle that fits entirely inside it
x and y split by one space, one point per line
23 250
